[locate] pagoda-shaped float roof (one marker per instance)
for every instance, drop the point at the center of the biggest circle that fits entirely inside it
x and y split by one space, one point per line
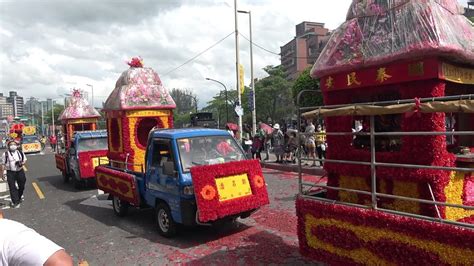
383 31
139 88
78 108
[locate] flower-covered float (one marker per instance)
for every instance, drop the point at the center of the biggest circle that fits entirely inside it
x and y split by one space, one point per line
395 73
138 103
85 146
190 176
78 115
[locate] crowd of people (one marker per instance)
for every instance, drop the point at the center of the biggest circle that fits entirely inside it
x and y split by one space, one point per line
283 142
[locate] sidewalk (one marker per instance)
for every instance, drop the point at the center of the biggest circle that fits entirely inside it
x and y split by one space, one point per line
290 167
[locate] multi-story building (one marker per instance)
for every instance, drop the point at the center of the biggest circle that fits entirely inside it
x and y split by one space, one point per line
304 49
47 105
17 103
33 106
6 108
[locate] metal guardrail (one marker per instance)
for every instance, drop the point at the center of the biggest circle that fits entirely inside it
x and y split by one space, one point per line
375 196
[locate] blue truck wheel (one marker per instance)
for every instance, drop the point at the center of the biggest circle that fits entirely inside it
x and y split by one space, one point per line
165 223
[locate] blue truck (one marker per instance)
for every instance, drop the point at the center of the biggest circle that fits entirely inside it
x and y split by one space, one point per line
191 177
86 150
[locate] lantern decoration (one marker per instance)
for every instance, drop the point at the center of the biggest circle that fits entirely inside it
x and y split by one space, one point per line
138 104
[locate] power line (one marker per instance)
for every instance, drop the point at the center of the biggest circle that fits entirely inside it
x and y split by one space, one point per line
259 46
271 52
199 54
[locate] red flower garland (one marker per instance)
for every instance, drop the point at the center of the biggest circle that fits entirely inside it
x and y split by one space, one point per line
385 247
211 209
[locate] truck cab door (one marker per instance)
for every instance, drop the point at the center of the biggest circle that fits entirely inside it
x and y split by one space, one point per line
159 179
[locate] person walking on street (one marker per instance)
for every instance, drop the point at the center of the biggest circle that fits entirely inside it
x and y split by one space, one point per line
310 141
278 143
53 141
320 138
43 142
13 161
258 142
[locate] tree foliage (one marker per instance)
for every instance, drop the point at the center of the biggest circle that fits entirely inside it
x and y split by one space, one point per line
217 106
273 96
185 100
305 82
273 100
58 109
186 103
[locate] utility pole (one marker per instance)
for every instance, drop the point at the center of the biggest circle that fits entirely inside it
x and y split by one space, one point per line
254 112
42 119
237 64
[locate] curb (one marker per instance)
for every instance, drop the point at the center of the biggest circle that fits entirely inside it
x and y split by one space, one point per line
294 168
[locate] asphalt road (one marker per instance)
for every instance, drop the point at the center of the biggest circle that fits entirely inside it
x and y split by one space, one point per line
88 229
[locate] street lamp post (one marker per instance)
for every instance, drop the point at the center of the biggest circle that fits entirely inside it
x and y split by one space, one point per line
254 112
237 63
42 119
226 100
92 98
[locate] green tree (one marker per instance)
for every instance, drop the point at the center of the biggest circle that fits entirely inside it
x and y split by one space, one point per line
185 100
472 19
58 109
217 106
273 96
272 100
306 82
186 103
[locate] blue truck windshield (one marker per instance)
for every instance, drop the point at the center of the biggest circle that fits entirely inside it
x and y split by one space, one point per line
30 139
94 144
208 150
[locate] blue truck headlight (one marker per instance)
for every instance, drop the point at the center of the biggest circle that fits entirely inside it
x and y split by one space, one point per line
188 190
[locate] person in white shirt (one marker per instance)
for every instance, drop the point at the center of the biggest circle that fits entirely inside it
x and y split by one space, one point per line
21 245
13 161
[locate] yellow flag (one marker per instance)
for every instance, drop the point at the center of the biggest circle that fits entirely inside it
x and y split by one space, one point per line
241 78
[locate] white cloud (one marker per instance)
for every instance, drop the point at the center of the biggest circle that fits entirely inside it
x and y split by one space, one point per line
49 46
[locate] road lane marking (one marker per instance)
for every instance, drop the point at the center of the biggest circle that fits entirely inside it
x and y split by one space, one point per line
38 190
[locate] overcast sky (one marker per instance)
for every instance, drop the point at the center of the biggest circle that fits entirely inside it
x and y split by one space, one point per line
50 46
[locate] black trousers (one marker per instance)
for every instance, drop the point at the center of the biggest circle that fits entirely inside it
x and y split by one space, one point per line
19 178
321 154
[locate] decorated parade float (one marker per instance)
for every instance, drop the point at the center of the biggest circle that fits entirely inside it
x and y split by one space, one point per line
85 145
398 85
138 103
189 176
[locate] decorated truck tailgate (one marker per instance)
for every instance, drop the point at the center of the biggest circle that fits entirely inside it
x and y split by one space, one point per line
227 189
90 160
118 183
60 161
